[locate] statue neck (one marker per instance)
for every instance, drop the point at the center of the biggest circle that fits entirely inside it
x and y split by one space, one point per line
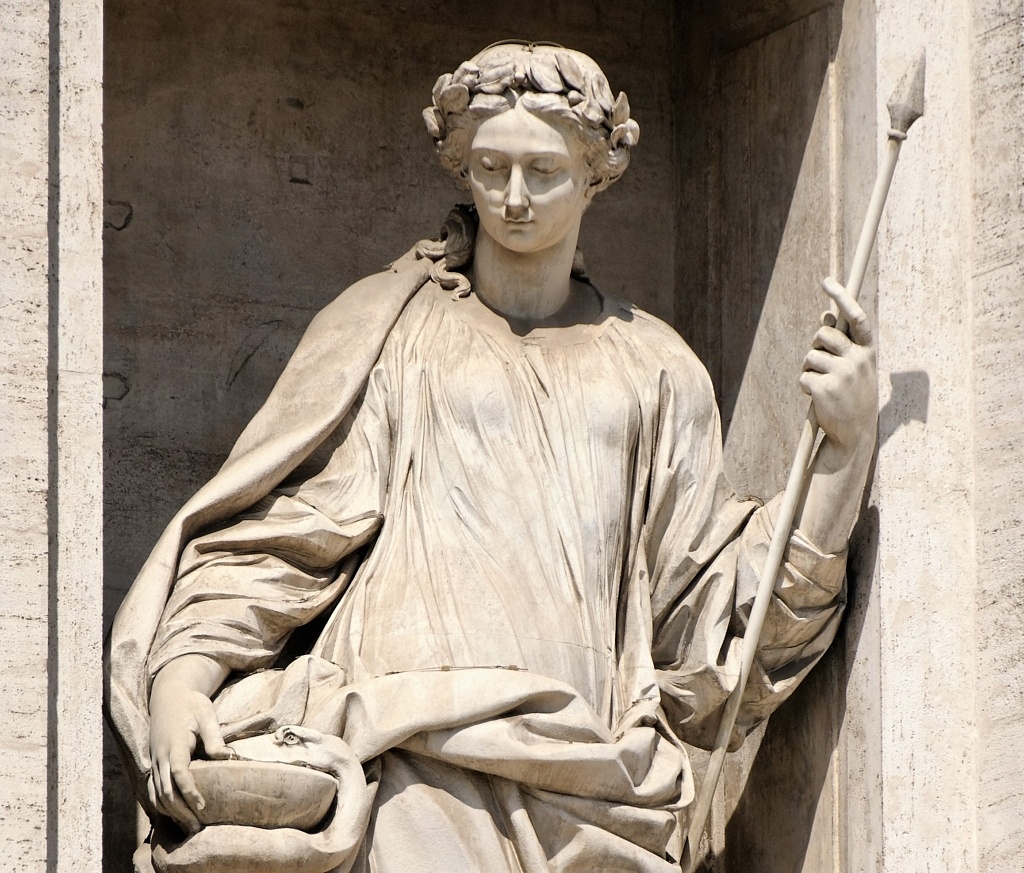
528 287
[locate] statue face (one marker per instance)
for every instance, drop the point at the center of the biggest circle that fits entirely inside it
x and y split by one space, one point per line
529 180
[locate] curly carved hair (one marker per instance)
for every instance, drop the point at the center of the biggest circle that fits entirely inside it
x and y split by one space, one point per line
549 80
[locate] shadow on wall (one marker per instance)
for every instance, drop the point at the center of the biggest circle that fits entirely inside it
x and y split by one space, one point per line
753 187
910 391
757 184
754 184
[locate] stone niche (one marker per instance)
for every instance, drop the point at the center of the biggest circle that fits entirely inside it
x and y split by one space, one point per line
260 155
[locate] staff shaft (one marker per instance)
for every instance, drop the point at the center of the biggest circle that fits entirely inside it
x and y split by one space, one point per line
792 497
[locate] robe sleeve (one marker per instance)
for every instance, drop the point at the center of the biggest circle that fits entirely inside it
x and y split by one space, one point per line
705 549
243 587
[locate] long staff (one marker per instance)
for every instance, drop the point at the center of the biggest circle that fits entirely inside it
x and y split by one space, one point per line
905 106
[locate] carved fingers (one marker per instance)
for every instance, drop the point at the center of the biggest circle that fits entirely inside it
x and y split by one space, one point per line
165 796
859 324
209 732
180 719
839 373
180 796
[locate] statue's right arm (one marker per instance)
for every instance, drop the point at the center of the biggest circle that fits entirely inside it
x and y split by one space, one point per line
181 716
243 587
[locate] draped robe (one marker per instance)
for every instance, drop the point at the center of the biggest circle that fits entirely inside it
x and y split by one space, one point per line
535 576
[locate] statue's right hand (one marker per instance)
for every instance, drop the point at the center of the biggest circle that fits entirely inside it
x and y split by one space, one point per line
180 717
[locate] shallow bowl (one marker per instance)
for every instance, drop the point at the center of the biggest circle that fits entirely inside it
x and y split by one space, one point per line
262 794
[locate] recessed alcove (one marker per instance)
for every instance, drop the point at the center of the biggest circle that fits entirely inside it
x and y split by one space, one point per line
261 155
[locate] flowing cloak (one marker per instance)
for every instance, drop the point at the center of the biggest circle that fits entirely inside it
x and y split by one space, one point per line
516 710
322 380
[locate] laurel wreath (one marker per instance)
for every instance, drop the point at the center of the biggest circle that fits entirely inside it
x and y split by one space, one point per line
494 86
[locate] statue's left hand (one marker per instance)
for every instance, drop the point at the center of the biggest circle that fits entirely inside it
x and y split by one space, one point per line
840 375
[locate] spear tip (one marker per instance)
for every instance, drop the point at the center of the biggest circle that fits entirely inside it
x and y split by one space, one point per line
906 104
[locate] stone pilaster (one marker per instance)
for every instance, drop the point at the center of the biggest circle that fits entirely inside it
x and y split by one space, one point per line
51 526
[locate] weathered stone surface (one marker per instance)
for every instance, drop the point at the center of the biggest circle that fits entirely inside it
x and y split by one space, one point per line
50 522
926 572
997 278
466 521
24 424
264 795
950 426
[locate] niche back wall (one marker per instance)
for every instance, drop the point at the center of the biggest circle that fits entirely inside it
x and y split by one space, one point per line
262 155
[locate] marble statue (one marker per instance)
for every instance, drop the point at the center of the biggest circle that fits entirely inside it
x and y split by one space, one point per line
476 559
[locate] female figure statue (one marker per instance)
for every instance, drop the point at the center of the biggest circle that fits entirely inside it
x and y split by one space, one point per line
494 497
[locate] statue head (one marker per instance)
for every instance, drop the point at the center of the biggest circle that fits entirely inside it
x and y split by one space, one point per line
549 81
563 88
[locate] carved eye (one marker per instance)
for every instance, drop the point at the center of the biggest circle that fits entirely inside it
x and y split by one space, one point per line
548 165
287 737
488 163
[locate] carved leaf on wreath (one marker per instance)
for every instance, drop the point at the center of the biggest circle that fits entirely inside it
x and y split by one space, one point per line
602 92
518 73
443 81
490 102
454 98
620 111
434 121
467 74
570 70
627 135
574 98
592 112
544 75
496 79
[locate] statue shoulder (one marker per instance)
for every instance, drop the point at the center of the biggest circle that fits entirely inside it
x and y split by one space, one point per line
661 347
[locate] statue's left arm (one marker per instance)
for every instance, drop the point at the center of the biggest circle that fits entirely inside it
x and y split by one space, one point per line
705 548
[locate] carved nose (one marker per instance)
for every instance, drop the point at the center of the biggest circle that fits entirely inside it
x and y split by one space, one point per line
517 197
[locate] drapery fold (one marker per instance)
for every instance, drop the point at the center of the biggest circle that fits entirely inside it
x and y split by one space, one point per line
544 516
322 380
527 745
